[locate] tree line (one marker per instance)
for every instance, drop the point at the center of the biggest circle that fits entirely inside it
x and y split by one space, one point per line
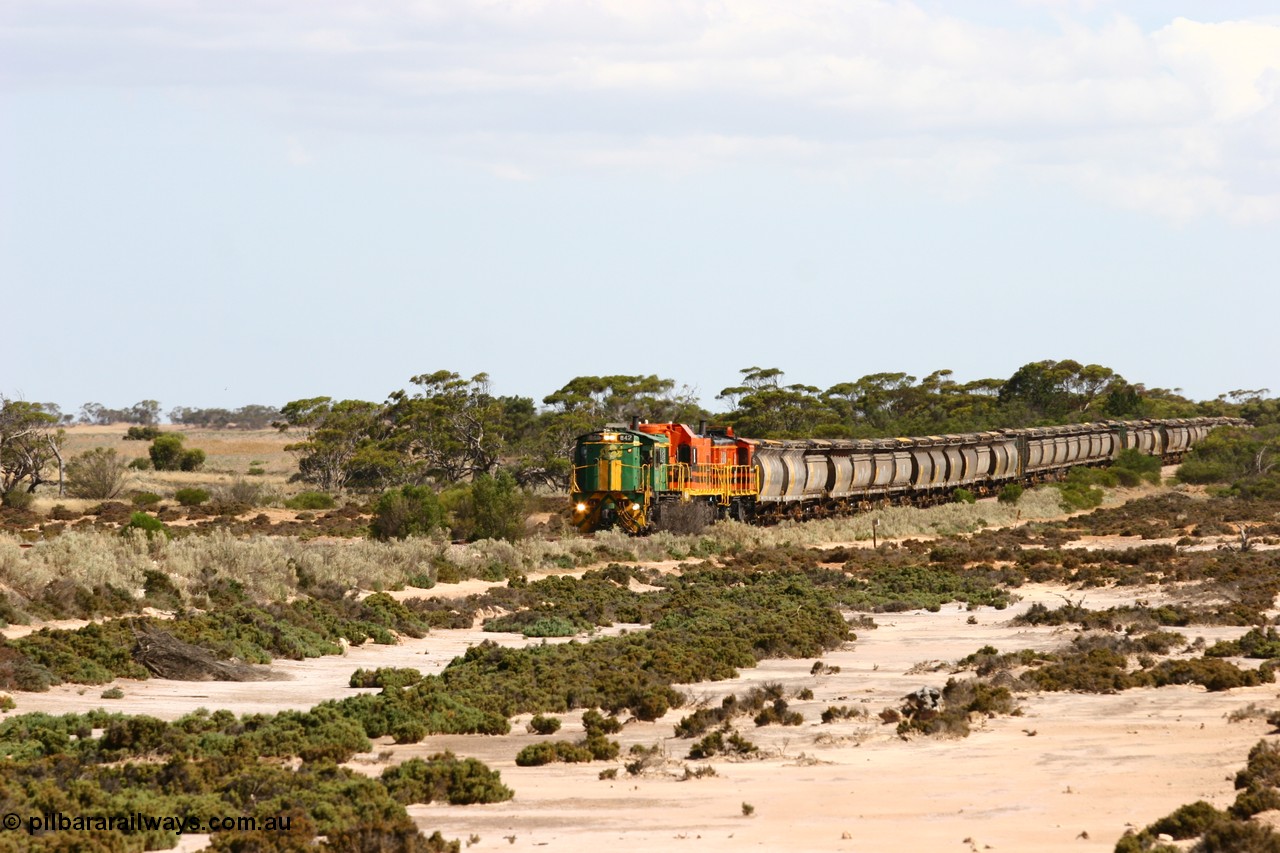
445 428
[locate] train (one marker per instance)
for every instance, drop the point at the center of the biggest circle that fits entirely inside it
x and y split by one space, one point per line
636 477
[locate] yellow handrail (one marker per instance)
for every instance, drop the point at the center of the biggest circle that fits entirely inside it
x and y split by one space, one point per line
722 481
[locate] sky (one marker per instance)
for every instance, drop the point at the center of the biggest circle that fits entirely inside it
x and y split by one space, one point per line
257 201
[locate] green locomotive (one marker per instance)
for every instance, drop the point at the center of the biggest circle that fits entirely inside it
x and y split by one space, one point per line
616 472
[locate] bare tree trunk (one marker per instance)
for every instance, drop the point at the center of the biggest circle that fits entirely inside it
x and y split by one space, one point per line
57 452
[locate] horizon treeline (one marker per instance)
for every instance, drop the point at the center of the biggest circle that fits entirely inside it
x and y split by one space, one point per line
447 428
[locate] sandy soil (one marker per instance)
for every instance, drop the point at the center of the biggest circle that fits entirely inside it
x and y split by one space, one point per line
1071 773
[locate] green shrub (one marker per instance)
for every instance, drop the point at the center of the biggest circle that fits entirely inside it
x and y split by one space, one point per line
19 672
256 472
551 626
596 723
6 703
310 501
143 433
445 778
142 463
550 752
192 460
168 454
541 725
144 498
498 504
1010 493
113 693
963 496
148 524
1189 821
490 507
191 496
1239 836
716 743
18 498
406 511
1078 495
159 589
536 755
388 678
1257 643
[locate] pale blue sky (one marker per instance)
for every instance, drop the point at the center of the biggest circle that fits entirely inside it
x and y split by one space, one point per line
221 204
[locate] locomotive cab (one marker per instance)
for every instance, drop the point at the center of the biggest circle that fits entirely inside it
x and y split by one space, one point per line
616 472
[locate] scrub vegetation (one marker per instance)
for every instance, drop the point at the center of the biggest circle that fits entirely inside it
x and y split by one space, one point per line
741 595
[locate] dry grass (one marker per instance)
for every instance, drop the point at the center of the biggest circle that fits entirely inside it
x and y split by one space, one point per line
894 523
269 568
273 567
229 454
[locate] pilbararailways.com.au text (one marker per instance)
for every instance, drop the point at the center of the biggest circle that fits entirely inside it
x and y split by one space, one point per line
138 822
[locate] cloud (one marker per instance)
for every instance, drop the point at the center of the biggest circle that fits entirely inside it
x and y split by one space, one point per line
1181 119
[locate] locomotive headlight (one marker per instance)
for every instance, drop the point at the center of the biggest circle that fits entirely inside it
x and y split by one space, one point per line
635 507
581 507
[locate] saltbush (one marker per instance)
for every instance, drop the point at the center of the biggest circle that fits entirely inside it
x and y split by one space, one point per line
191 496
148 524
444 777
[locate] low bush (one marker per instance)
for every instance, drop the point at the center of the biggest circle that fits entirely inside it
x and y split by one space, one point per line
1010 493
541 725
596 724
148 524
191 496
387 678
143 433
168 454
1080 489
1133 467
17 498
444 777
832 713
97 474
717 743
778 713
406 511
1257 643
538 754
241 492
